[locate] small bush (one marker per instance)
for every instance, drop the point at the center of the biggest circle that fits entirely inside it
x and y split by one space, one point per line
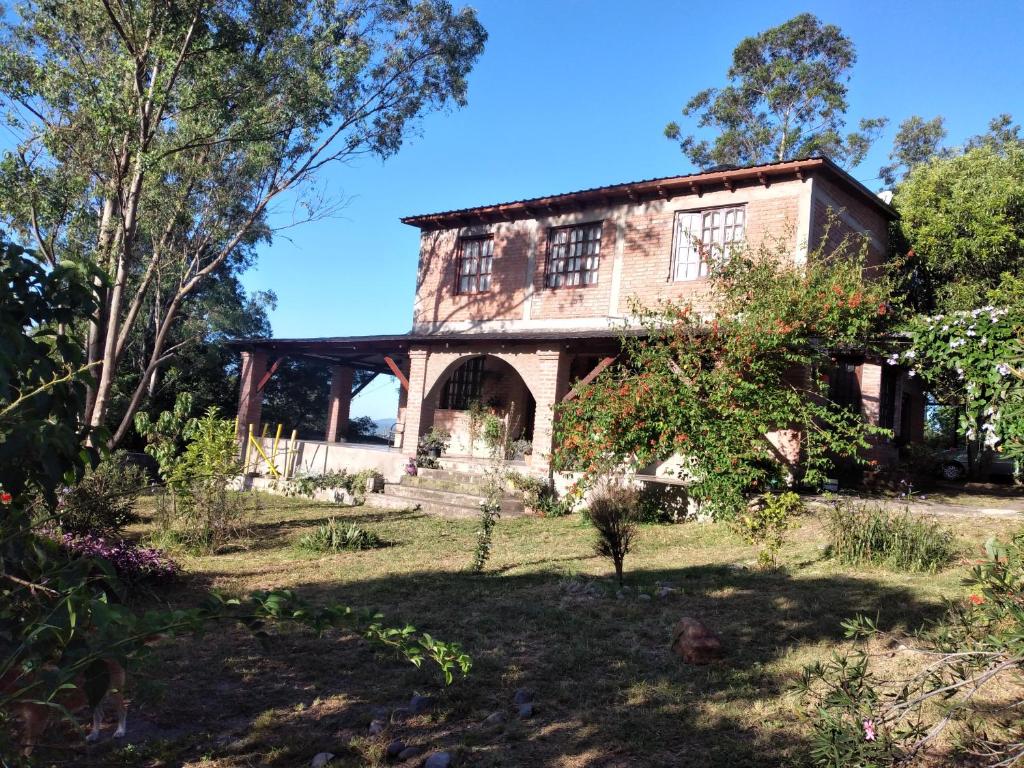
334 536
132 563
355 484
103 501
870 534
613 513
539 495
765 524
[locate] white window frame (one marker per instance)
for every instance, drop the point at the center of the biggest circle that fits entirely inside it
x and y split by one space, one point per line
698 235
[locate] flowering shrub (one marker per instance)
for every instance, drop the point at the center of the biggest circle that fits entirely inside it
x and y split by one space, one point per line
962 693
712 388
132 563
972 358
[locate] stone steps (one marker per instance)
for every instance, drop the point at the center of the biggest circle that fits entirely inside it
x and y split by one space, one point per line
510 506
445 492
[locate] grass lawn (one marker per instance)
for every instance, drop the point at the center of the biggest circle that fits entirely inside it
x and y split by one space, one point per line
608 691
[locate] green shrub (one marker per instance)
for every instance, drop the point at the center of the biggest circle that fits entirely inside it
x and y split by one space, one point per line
871 534
765 523
103 501
661 503
539 495
354 484
335 536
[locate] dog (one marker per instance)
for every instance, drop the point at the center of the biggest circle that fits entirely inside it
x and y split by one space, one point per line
103 680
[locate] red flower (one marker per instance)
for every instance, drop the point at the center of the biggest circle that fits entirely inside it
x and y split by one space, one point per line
5 497
976 599
882 308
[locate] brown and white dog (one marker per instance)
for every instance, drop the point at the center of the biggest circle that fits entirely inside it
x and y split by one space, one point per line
103 681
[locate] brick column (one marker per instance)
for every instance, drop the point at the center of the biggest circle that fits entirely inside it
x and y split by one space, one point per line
416 412
250 402
338 403
871 392
552 383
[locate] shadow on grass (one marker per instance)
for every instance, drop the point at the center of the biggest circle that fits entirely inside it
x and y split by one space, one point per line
609 692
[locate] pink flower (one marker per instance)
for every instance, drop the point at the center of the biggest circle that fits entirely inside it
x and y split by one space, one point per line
5 497
869 730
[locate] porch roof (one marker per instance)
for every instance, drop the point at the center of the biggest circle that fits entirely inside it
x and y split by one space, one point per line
369 352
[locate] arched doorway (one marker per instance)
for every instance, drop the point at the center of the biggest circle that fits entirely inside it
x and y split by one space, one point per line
476 399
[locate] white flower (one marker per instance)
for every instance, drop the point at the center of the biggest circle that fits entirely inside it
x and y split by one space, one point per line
910 354
1003 369
971 331
957 343
912 373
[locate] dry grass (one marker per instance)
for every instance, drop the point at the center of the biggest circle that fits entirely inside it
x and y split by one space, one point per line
608 691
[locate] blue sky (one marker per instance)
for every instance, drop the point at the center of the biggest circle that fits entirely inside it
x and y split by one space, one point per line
571 94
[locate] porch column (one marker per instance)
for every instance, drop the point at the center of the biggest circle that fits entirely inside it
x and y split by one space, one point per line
552 384
339 403
250 398
414 408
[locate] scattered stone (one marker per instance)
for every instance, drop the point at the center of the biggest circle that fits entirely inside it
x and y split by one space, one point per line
380 713
694 642
420 704
410 752
643 596
321 759
620 595
526 710
438 760
496 718
377 726
400 714
522 696
664 592
395 748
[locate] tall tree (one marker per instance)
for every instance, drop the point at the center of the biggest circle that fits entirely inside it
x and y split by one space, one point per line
156 137
786 98
917 141
963 218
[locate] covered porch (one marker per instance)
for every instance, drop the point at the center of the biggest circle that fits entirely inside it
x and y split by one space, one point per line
451 382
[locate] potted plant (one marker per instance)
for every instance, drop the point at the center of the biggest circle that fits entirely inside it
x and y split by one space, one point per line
435 442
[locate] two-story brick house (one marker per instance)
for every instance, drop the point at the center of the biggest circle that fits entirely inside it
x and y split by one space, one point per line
516 303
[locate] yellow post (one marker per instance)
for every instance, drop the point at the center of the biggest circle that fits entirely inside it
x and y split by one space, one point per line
248 450
270 464
293 454
277 440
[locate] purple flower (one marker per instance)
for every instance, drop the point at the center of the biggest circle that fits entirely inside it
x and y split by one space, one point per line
130 561
869 730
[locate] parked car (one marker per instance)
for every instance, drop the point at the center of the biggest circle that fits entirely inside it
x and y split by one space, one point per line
953 464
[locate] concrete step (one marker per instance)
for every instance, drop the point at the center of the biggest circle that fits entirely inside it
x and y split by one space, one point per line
384 501
510 506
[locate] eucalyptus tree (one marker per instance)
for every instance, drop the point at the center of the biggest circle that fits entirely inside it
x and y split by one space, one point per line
786 98
161 140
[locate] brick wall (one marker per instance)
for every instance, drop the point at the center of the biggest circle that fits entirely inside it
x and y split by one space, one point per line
636 256
836 214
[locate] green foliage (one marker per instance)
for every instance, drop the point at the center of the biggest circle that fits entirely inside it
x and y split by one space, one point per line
213 112
765 523
963 216
974 359
786 99
490 511
354 483
712 389
612 511
662 503
868 534
953 671
335 536
539 495
917 141
165 436
103 501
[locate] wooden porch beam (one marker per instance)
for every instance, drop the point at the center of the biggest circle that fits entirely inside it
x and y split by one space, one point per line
575 391
267 376
398 373
361 387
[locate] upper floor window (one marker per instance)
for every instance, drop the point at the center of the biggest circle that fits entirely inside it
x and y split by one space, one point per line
574 255
476 255
701 235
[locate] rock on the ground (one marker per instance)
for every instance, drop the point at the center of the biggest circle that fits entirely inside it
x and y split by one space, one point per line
377 726
438 760
694 643
522 696
410 752
321 759
396 747
420 704
399 714
665 591
496 718
526 710
643 596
